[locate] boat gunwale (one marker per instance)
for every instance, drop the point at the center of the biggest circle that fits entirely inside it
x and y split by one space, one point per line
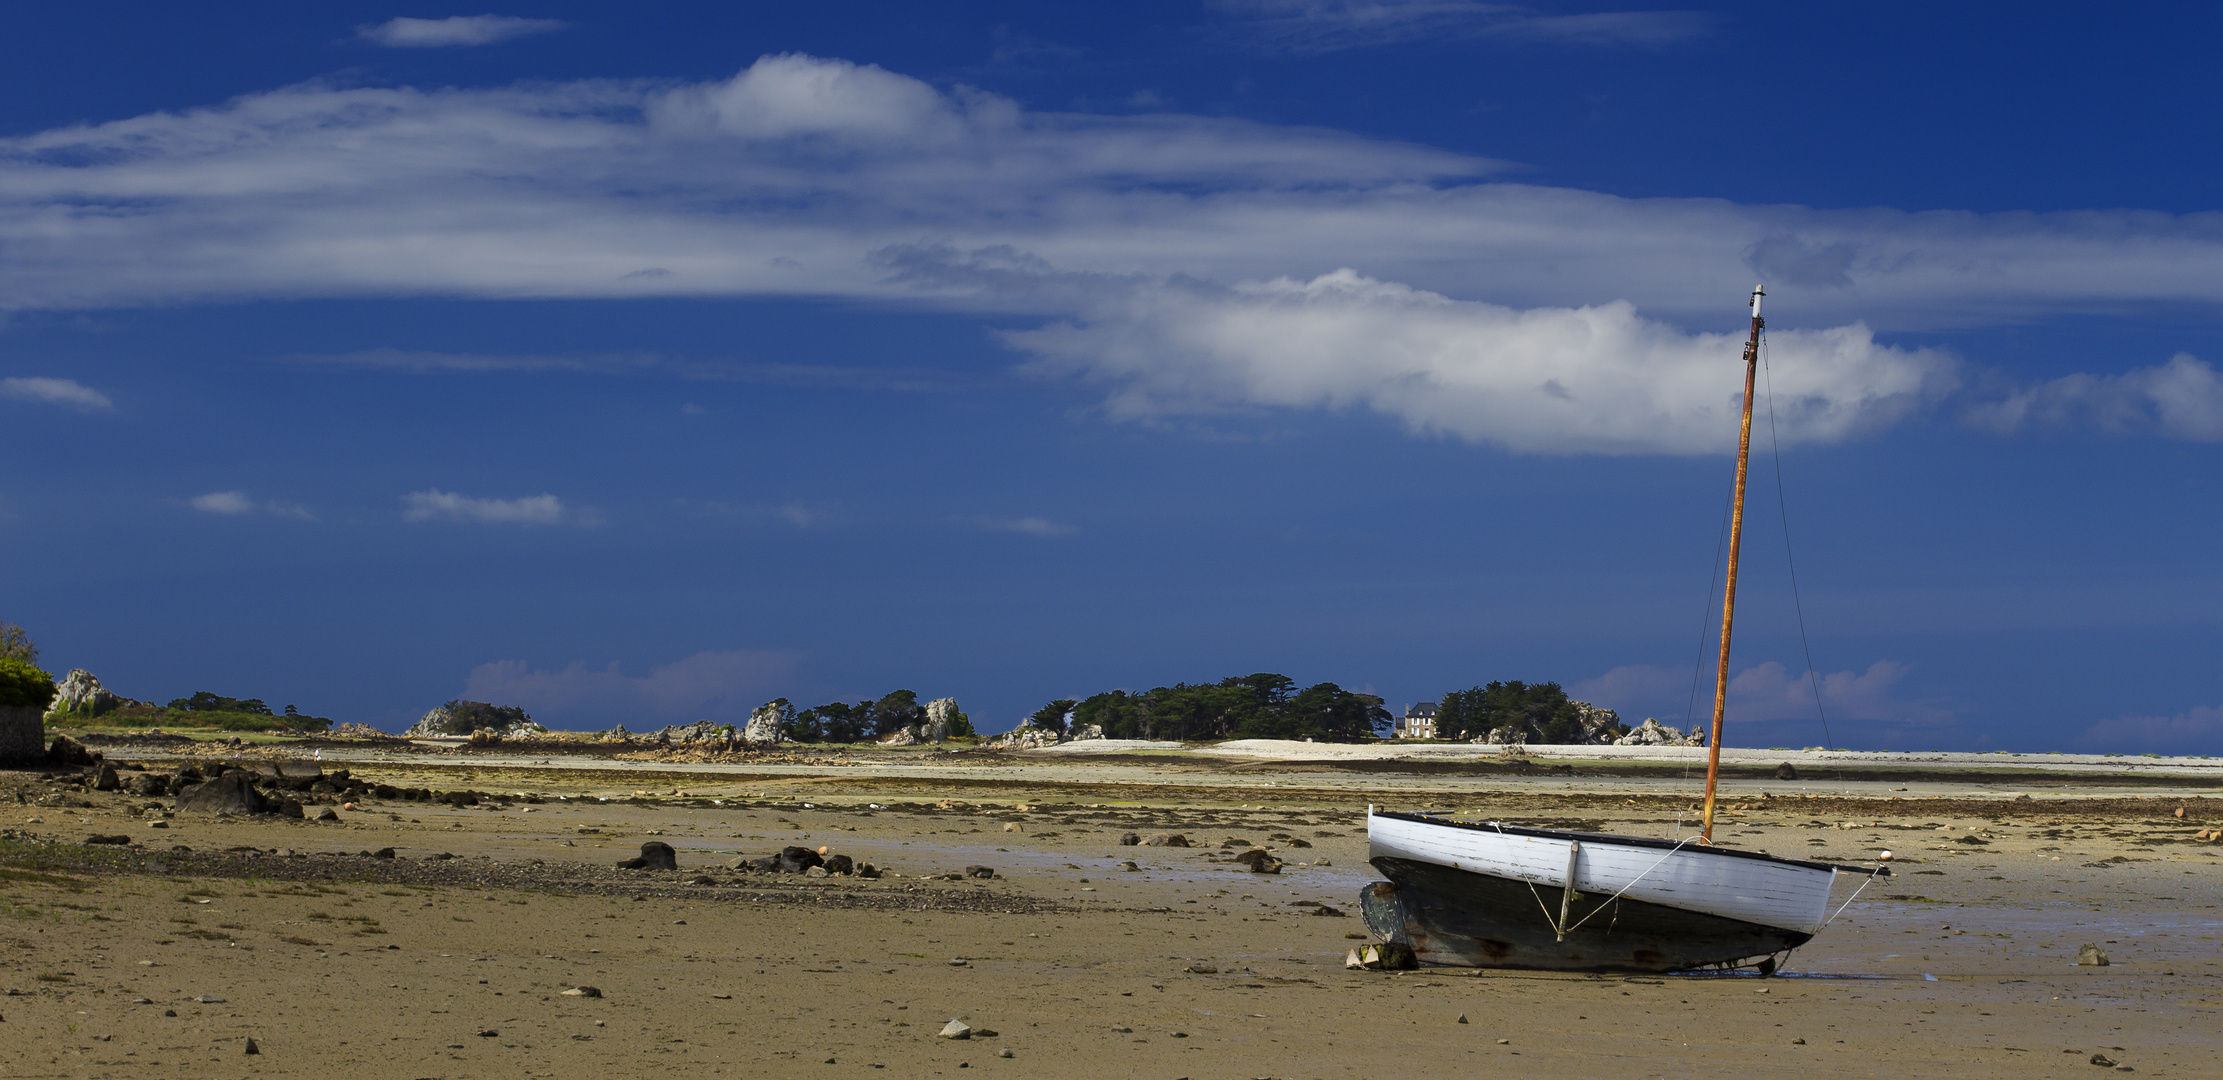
1627 841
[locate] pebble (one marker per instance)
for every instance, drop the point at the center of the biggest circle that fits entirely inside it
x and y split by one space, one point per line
209 999
252 1048
956 1029
1004 1053
959 962
583 991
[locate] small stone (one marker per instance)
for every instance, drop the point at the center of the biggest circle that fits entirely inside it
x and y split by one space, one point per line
1201 969
1012 826
209 999
2103 1061
251 1047
1129 867
1505 1042
2089 955
980 871
814 871
489 1033
1798 1042
327 814
1004 1053
956 1029
583 992
169 1012
1166 840
158 824
383 853
1129 839
959 962
142 1000
1462 1018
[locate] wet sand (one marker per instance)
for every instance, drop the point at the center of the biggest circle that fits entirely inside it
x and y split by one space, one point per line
339 964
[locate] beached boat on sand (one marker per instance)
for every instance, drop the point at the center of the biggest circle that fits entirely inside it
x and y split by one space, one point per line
1488 894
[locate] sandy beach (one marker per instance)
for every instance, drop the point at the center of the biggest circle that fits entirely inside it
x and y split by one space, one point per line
451 958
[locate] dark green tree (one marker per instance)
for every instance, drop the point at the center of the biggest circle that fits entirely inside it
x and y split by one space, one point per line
1053 715
895 712
23 684
1541 710
465 717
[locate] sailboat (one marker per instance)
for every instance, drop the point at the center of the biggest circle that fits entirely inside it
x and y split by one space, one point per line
1493 894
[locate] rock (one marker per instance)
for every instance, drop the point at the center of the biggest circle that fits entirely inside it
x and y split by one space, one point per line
655 855
488 1033
148 785
840 864
1166 840
1652 733
69 753
1971 839
434 722
1012 826
104 778
327 814
980 871
1025 737
230 793
956 1029
1330 912
767 723
2103 1061
81 694
815 871
383 853
941 713
1786 771
1599 726
1091 731
118 840
1004 1053
867 870
1202 969
209 999
1398 956
1129 866
1129 839
900 737
2089 955
795 860
702 879
583 992
1260 861
960 962
251 1048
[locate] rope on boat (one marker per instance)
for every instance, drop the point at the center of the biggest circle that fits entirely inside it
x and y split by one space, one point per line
1560 926
1848 901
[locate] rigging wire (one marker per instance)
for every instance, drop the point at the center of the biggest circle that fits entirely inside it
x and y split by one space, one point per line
1782 507
1706 616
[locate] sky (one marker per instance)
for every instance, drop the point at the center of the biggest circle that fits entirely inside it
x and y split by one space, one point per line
639 364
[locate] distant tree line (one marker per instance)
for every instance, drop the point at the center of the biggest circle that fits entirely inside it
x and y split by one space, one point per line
465 717
1260 706
840 721
1541 711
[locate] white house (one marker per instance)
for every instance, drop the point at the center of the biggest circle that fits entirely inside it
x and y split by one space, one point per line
1419 721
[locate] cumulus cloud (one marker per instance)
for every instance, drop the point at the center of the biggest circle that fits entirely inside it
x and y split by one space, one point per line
1025 526
1315 26
1762 693
66 392
803 176
722 686
2182 399
2197 730
458 30
235 503
1596 379
437 505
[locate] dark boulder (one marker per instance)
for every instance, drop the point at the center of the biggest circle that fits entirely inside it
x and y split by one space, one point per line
230 793
867 870
383 853
119 840
1786 771
68 752
1129 839
655 855
980 872
840 864
1260 861
459 798
1166 840
795 860
148 785
105 779
386 791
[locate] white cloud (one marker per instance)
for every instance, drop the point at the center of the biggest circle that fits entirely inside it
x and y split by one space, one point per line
1025 526
68 392
223 502
1328 25
2182 399
2197 730
1760 693
721 686
809 177
234 503
1554 380
435 504
456 30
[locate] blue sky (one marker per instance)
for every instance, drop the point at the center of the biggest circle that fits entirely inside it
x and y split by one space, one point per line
641 365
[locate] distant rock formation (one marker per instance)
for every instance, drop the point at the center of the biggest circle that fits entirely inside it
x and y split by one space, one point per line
939 713
1653 733
696 734
901 737
80 693
768 724
1091 731
433 723
1599 726
1508 735
1025 737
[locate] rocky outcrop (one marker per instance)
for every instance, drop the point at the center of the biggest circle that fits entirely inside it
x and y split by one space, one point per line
939 713
768 724
81 694
700 733
1599 726
1505 736
655 855
1088 731
433 723
901 737
69 753
1025 737
1653 733
231 793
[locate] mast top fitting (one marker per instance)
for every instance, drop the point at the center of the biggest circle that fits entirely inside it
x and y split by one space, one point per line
1757 293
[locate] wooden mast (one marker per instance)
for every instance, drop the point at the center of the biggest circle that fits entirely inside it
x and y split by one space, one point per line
1736 539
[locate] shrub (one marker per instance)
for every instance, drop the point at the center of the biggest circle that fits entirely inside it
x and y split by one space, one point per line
24 685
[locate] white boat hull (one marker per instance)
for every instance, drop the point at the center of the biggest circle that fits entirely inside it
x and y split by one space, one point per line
1492 895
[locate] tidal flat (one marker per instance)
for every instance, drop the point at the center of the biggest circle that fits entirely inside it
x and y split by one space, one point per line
451 958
